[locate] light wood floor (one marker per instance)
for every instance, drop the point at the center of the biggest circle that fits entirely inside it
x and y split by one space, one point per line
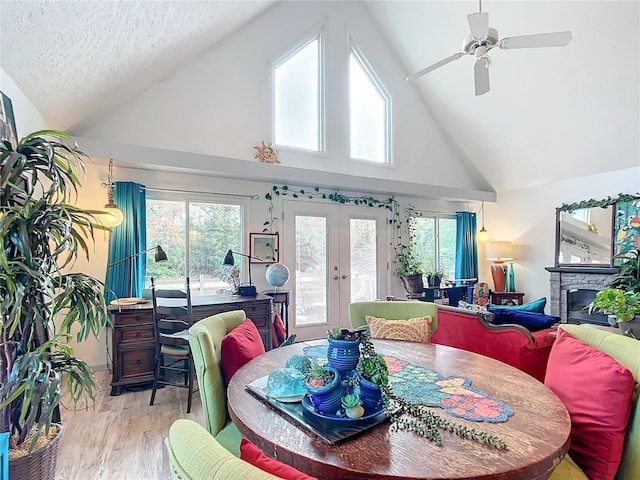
121 438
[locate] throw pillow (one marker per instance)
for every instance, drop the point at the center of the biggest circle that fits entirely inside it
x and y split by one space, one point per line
536 306
597 392
240 345
530 320
413 330
278 333
256 457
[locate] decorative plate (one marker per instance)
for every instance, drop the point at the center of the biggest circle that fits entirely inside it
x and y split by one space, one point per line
308 405
294 399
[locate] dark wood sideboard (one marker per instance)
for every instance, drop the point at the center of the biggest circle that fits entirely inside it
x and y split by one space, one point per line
133 342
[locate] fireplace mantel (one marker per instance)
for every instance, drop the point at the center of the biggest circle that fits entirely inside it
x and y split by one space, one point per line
583 269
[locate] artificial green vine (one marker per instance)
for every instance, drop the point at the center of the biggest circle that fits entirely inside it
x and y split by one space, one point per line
604 203
402 230
422 421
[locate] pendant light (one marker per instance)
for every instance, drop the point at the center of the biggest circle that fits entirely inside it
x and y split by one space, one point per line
113 215
483 235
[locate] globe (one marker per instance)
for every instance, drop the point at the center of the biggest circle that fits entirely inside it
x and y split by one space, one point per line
277 274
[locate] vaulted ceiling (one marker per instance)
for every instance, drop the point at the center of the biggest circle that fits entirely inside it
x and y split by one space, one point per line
551 114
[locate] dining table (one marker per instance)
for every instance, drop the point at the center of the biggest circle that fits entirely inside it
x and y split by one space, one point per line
536 431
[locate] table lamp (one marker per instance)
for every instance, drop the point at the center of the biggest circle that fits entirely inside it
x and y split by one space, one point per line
499 252
243 290
160 256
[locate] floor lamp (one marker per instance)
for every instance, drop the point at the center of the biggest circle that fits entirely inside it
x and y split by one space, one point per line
499 252
160 256
243 290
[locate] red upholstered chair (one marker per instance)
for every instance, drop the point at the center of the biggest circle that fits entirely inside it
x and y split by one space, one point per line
511 344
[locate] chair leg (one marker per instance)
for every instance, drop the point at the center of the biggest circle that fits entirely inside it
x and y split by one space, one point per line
156 375
190 388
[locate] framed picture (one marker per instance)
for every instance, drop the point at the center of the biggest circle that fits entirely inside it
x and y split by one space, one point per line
264 247
626 227
7 121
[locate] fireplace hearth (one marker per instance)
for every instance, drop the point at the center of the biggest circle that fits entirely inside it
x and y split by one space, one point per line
572 288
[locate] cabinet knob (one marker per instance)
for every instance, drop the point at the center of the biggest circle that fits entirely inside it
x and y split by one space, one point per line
137 318
138 362
253 308
137 334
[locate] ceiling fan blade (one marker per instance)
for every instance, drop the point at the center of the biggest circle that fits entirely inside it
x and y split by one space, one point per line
430 68
479 25
553 39
481 75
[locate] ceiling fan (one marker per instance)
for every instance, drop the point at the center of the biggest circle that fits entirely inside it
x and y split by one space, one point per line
483 38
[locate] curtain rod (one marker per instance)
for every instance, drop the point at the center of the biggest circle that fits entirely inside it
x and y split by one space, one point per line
193 191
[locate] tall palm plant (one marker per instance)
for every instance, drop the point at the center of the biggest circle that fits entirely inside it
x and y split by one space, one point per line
42 233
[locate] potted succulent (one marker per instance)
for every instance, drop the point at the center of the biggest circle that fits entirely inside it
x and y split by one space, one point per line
625 305
43 232
324 388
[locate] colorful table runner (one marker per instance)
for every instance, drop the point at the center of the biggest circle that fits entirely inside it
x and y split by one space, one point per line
425 386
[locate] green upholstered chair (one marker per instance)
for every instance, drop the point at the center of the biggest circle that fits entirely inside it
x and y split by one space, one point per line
195 455
205 338
626 351
392 310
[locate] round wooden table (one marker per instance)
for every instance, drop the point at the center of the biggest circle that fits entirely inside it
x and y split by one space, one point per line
537 434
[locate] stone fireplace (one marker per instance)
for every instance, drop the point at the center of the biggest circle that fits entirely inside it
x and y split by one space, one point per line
571 288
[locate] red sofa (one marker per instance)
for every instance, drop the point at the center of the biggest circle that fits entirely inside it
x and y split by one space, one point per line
511 344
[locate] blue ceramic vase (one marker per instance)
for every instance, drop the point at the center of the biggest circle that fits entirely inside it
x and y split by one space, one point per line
370 395
326 399
343 355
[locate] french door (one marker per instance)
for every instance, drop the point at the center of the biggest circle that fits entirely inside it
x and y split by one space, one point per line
337 254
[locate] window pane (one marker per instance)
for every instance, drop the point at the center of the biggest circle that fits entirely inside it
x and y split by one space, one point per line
424 241
363 256
368 112
311 270
166 221
213 230
297 99
447 244
435 238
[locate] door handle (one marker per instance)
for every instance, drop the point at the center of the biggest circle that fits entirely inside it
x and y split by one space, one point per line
344 276
335 277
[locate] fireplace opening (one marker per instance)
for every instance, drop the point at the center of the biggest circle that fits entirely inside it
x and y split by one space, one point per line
577 300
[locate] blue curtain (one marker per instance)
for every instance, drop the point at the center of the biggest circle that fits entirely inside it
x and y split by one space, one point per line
127 239
466 246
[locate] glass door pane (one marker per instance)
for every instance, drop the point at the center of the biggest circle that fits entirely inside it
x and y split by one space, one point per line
311 269
363 260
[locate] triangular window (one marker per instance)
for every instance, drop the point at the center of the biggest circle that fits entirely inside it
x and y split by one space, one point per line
370 111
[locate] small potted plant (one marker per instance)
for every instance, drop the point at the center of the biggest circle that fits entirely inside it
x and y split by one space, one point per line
373 373
436 276
343 353
625 305
324 387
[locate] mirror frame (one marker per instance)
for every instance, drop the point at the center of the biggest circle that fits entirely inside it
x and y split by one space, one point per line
583 205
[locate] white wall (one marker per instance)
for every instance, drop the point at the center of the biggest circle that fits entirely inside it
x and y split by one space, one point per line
220 102
527 218
28 118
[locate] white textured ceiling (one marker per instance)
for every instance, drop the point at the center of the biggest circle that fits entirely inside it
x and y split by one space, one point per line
551 114
81 58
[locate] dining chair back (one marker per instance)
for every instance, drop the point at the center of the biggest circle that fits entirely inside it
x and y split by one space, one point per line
626 351
392 310
173 362
205 339
195 455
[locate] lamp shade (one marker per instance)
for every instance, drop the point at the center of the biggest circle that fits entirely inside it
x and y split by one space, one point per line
499 251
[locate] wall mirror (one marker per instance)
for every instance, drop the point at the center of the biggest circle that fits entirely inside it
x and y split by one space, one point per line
584 236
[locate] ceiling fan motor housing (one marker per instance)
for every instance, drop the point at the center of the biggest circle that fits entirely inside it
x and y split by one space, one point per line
470 44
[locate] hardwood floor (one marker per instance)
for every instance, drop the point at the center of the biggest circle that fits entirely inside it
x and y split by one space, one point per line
121 438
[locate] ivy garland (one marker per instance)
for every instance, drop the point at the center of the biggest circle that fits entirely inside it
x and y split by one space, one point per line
390 204
604 203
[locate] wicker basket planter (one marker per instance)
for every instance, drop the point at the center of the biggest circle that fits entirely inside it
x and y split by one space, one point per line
39 464
413 283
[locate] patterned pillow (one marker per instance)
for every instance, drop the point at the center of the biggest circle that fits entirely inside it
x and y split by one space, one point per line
413 330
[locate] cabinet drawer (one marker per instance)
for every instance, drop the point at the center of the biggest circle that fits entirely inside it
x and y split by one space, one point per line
137 318
136 363
141 334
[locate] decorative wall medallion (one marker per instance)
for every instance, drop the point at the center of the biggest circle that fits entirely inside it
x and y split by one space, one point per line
267 154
